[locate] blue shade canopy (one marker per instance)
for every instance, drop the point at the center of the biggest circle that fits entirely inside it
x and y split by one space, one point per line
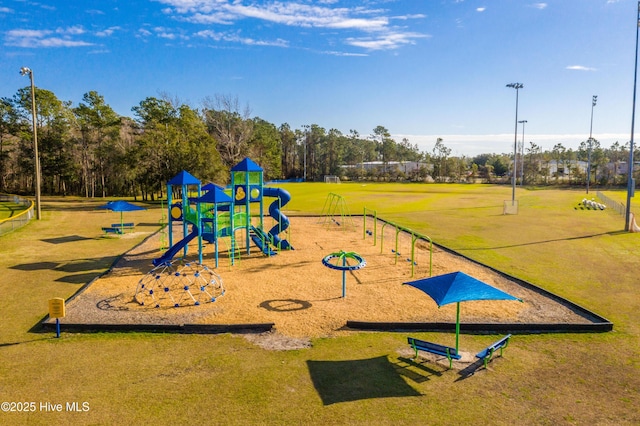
120 206
184 178
246 165
458 287
217 195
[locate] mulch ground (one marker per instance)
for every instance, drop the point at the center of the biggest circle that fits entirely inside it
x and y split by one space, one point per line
303 297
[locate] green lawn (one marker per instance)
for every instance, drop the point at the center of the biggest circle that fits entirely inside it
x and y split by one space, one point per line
9 209
138 378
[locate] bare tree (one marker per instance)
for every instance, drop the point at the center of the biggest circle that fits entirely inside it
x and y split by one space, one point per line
230 126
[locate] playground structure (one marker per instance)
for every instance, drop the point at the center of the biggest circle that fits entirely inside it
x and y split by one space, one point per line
343 265
176 283
399 230
213 217
216 215
336 210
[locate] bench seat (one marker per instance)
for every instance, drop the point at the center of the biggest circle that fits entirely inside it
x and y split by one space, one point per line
487 353
434 348
128 225
112 230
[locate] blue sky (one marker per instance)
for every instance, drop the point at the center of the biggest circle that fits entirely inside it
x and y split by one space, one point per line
422 68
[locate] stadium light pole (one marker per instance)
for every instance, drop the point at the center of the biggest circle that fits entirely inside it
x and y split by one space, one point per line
594 99
523 122
25 71
516 86
631 183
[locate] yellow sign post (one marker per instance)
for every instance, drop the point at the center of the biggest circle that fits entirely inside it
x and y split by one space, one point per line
57 311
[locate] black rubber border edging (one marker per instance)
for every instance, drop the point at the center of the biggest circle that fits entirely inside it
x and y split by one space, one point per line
162 328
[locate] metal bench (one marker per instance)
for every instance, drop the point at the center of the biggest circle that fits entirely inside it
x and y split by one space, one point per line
111 230
486 354
128 225
434 348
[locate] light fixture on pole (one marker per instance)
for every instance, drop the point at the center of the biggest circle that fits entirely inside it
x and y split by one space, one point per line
516 86
25 71
631 183
522 153
594 99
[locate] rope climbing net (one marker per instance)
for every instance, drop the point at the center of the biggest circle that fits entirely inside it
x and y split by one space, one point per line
178 283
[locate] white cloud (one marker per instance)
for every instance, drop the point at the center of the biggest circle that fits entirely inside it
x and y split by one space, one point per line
388 41
75 30
481 9
58 42
27 33
539 5
107 32
378 32
6 10
236 38
45 38
335 53
407 17
580 68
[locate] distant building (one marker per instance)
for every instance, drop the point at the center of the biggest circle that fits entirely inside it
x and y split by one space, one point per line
405 167
566 168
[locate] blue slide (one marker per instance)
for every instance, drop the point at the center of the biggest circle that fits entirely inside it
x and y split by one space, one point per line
282 198
261 240
173 250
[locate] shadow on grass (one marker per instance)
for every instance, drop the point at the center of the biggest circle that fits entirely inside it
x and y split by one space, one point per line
533 243
78 278
2 345
75 266
69 239
408 366
35 266
353 380
87 264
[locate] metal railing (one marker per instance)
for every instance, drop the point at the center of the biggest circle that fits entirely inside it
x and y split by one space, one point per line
12 223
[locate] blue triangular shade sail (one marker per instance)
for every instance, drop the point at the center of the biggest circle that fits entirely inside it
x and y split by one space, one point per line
217 195
246 165
120 206
184 178
458 287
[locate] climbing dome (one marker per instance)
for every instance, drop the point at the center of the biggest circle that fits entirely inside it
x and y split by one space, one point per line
178 283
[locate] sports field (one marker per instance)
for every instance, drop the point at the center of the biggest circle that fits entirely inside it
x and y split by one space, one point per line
10 209
354 378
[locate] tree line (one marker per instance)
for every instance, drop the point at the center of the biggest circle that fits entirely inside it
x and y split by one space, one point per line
90 150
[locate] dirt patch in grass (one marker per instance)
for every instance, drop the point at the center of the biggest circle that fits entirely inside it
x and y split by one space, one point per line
303 297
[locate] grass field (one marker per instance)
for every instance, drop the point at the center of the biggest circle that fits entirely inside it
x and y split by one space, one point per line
9 209
360 379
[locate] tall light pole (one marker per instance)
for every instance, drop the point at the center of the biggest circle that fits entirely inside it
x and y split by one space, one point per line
522 153
25 71
594 99
631 183
516 86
